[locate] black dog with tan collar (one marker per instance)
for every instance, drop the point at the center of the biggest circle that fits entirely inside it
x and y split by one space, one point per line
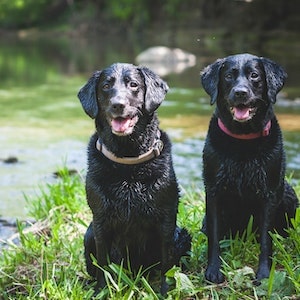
131 184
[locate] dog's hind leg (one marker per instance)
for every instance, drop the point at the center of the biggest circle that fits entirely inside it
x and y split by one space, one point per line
290 200
286 210
182 243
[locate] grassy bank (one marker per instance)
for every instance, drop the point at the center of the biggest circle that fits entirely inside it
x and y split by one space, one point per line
48 263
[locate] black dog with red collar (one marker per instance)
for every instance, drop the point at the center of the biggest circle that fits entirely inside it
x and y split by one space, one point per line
243 157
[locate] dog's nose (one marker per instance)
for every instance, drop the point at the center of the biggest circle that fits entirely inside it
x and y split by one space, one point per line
240 93
117 105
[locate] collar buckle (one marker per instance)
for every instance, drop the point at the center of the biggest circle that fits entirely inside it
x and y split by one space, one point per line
157 147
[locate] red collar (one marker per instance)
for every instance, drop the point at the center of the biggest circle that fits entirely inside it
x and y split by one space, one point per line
248 136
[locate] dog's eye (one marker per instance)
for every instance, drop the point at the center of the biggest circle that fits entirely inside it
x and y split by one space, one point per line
105 86
133 84
228 76
254 75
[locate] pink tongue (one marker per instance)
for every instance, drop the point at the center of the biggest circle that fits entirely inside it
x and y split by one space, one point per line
241 113
120 124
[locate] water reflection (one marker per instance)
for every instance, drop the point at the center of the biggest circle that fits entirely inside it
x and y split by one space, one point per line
187 159
36 168
20 178
34 63
35 59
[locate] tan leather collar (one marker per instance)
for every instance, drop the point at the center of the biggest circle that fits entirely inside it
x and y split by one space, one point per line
154 151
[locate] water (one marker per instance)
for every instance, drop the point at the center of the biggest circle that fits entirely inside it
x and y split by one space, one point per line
43 125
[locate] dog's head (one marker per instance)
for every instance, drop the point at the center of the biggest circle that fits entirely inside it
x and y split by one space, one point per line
245 85
121 94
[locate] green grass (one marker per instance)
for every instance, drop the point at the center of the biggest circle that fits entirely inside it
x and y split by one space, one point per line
49 264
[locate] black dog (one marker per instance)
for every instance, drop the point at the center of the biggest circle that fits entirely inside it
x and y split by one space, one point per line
243 157
131 185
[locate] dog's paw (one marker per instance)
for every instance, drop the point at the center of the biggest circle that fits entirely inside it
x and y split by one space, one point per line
97 289
214 275
96 292
262 272
164 288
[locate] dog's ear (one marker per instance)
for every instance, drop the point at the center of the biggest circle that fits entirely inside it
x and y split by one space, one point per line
88 95
210 79
156 89
275 78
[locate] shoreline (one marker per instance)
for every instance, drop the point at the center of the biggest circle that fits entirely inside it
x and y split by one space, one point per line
9 230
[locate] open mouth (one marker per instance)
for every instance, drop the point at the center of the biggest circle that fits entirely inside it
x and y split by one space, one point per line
123 126
242 113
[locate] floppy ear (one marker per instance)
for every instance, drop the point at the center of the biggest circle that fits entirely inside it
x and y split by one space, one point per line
156 89
88 96
210 79
275 77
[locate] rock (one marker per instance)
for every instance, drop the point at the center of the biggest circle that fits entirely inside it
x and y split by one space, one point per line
8 230
10 160
70 172
8 227
163 60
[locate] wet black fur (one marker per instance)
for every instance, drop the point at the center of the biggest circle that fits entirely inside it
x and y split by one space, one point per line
134 206
244 177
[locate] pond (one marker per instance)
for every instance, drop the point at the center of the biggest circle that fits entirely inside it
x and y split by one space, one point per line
43 125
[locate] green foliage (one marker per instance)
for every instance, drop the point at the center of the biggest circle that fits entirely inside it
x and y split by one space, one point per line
122 283
126 13
49 262
59 196
288 256
125 10
20 12
222 13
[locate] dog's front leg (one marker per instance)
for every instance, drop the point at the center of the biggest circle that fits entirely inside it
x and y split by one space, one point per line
101 254
266 218
167 250
213 273
101 262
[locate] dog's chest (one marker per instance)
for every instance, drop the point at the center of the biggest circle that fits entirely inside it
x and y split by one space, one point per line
125 202
242 177
245 171
122 193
